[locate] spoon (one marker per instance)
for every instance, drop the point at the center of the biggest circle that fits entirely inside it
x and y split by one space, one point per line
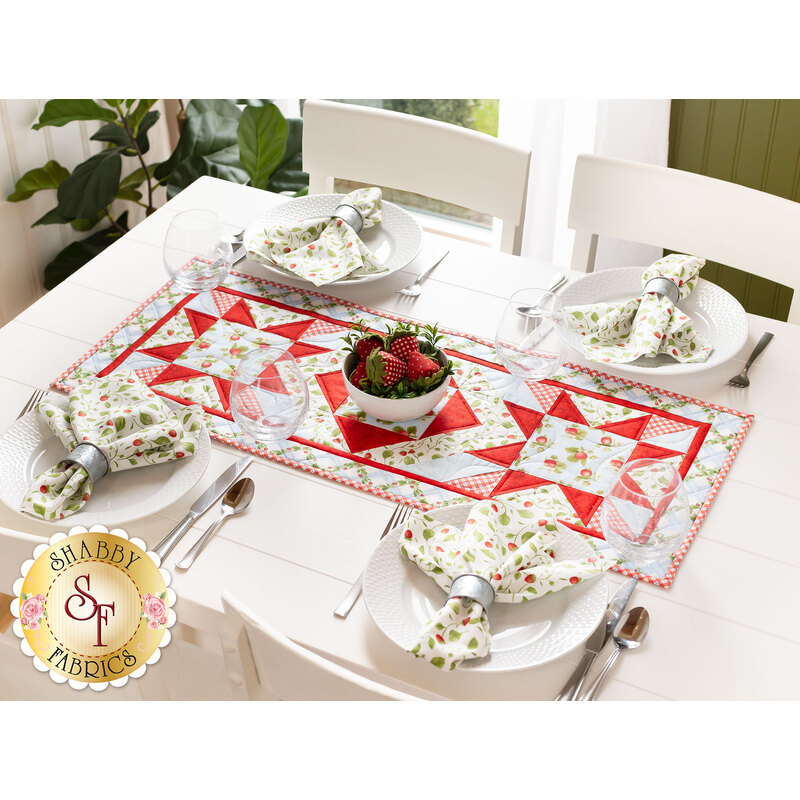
558 280
630 636
236 500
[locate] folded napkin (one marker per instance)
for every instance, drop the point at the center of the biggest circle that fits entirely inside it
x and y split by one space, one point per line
325 249
648 325
508 545
127 422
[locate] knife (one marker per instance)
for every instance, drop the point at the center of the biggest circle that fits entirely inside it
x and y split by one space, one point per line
201 505
598 639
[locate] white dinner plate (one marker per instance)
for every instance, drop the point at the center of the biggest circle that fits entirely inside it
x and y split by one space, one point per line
401 599
29 447
396 240
716 314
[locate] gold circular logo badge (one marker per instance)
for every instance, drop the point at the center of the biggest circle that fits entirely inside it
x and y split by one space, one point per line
94 607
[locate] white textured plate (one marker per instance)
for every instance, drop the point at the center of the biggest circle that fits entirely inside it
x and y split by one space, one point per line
29 447
396 241
716 314
401 599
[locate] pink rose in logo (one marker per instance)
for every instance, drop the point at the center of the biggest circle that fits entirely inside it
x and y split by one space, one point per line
154 609
32 611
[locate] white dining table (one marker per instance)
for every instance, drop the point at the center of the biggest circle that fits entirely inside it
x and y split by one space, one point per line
726 629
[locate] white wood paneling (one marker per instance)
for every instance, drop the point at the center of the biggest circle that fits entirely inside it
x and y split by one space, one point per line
26 250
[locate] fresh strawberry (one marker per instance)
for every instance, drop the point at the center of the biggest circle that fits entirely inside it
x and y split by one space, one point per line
384 369
420 366
366 344
359 374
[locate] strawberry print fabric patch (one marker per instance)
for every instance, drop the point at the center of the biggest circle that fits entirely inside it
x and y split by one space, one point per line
491 436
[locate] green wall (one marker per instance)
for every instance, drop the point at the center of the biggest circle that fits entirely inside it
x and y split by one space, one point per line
754 143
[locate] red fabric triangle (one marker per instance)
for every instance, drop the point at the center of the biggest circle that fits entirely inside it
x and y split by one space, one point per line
290 330
362 436
478 485
333 387
167 352
240 314
644 450
581 529
514 481
224 391
564 408
199 321
275 383
505 455
527 419
455 416
584 503
300 349
174 372
544 393
629 428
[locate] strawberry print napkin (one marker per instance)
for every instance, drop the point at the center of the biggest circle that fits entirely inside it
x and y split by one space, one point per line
618 333
126 420
510 544
324 249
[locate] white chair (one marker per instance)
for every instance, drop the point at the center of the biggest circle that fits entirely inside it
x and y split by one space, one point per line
265 665
721 221
401 151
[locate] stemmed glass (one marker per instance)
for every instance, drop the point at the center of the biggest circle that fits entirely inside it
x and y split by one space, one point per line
532 340
195 254
269 395
645 516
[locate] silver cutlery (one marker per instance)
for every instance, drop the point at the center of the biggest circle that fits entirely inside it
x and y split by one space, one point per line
559 279
597 641
33 401
236 500
631 635
414 289
399 516
741 380
201 505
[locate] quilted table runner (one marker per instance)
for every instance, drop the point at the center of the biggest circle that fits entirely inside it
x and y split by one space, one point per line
492 435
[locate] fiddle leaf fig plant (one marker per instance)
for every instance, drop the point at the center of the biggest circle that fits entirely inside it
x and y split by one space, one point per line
253 145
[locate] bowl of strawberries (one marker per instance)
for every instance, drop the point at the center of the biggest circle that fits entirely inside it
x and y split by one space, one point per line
396 375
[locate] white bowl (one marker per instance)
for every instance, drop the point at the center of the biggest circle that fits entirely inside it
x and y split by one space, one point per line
393 410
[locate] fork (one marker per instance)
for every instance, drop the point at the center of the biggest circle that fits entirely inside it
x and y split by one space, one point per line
741 380
415 288
35 397
399 516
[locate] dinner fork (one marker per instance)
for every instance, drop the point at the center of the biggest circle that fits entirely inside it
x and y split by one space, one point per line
741 380
415 288
33 400
399 516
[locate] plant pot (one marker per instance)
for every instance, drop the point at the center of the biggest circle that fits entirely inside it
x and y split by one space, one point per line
388 409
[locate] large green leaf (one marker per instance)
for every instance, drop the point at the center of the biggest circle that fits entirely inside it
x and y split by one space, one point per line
207 146
136 177
49 176
92 186
289 175
52 217
262 138
116 134
140 113
75 255
60 112
225 108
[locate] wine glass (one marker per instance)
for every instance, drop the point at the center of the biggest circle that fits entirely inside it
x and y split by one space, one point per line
195 254
532 339
645 516
269 395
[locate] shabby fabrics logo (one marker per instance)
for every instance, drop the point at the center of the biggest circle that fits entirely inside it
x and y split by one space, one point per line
93 608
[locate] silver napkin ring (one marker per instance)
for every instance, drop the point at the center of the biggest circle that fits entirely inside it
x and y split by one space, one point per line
92 459
473 587
349 214
662 285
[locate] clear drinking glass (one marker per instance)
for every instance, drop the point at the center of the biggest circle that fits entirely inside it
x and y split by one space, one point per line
269 395
645 516
195 254
532 339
